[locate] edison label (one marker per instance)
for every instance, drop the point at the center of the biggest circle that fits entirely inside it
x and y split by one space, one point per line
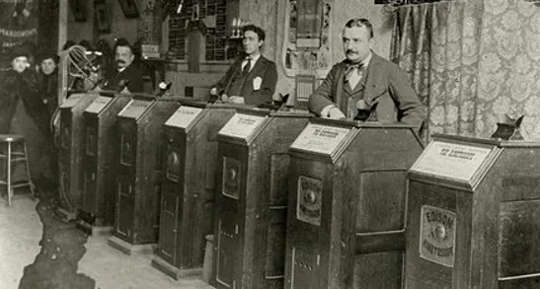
309 195
438 235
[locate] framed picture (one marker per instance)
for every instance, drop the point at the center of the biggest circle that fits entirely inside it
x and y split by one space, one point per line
129 7
102 17
195 12
78 8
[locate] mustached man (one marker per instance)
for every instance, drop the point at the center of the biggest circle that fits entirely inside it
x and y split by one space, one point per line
366 86
127 77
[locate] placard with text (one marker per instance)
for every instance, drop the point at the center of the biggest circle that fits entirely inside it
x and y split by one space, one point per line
242 125
98 104
321 138
451 160
135 108
183 116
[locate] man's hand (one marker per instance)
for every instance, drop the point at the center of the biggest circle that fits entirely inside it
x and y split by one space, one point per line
335 113
236 99
125 90
224 98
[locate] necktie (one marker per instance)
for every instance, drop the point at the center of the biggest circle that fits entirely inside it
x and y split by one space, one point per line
354 74
247 67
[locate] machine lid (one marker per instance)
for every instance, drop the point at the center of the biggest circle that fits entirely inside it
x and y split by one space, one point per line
490 141
135 108
72 100
243 126
98 104
184 116
457 161
323 139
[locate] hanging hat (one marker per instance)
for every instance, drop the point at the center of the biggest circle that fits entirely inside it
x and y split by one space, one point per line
46 55
68 44
19 51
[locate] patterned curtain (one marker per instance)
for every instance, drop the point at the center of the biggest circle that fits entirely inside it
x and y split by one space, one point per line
471 62
509 68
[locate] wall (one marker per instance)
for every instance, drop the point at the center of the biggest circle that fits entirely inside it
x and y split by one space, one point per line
270 15
120 25
342 11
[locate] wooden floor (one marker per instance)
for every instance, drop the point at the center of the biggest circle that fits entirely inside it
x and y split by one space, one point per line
21 252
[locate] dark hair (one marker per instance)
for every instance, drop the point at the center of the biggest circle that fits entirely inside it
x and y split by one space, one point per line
48 55
258 30
123 42
86 44
68 44
360 22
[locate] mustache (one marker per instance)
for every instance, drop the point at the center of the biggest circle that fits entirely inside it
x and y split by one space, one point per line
349 51
120 61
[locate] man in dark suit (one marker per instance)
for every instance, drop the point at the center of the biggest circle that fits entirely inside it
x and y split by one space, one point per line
127 77
48 80
365 86
252 78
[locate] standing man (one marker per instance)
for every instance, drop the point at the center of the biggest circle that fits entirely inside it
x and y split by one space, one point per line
252 78
366 86
48 80
127 74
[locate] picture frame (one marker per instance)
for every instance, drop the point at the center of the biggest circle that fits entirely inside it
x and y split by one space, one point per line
195 11
129 7
78 8
102 17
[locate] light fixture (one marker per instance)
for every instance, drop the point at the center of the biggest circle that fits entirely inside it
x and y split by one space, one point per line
180 6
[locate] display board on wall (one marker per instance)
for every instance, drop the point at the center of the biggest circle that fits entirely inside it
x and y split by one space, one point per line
307 47
208 15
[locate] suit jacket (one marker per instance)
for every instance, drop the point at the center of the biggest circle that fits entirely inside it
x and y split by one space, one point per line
48 87
24 86
386 91
264 69
132 73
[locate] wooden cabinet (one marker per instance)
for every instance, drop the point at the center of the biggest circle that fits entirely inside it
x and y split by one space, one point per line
251 198
473 215
138 179
69 154
347 200
100 156
188 186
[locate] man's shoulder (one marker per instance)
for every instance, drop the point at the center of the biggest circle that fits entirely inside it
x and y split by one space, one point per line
383 63
340 65
266 61
133 68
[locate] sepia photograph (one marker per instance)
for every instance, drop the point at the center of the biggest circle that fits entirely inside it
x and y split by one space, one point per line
325 144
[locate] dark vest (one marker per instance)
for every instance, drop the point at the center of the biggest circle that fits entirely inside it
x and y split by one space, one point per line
350 97
237 83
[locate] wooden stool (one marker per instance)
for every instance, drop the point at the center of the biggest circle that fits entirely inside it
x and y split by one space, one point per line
12 157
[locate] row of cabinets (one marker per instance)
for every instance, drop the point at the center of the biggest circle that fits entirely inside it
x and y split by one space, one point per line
299 202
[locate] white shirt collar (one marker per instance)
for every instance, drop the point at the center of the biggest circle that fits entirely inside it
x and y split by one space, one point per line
253 58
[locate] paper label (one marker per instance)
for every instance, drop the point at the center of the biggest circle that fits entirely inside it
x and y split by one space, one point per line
72 100
451 160
98 104
231 178
135 108
320 138
183 116
438 235
309 200
242 125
